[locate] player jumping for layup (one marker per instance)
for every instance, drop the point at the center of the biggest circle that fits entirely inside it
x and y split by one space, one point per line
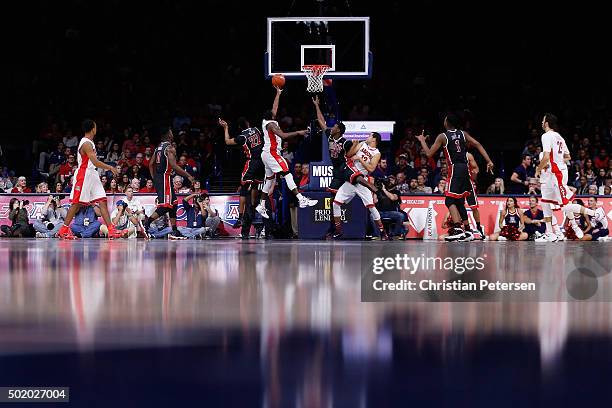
274 163
366 159
160 166
253 173
86 187
455 142
555 190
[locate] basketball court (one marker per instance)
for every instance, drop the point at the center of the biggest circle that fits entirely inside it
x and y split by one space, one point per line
278 323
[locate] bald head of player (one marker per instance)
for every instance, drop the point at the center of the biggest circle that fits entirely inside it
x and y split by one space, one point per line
89 128
166 135
549 122
451 122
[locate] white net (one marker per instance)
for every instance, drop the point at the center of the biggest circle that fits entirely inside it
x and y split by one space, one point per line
314 74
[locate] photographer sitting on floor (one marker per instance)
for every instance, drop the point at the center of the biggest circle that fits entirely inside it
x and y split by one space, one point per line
86 223
20 221
388 206
51 218
120 218
196 215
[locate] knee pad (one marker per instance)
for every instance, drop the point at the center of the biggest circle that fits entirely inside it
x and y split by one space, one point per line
375 213
289 180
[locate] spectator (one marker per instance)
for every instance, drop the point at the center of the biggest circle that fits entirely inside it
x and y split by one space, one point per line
520 176
70 140
593 190
534 187
53 159
196 214
135 209
135 185
59 188
131 145
382 170
113 187
414 186
126 159
21 186
105 182
305 178
534 219
388 205
601 161
177 183
402 165
421 187
601 177
146 143
86 223
441 188
148 153
123 183
5 183
441 174
400 183
297 170
51 218
583 187
497 187
196 188
607 190
606 183
67 169
140 163
212 216
287 155
114 155
101 152
42 188
149 188
20 221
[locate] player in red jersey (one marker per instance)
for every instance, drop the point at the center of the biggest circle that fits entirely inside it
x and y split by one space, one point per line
86 186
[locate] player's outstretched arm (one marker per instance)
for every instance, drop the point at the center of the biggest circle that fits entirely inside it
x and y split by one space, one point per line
89 151
176 167
435 147
228 140
277 131
475 143
276 101
320 117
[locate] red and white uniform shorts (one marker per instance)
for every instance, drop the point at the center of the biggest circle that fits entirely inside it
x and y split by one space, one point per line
87 187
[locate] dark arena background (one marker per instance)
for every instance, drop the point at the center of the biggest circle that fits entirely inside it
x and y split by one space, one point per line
402 293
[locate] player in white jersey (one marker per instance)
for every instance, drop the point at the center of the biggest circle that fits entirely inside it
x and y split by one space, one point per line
274 163
555 190
366 159
598 228
86 187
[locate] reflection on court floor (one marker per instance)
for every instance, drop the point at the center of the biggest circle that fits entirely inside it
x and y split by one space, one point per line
294 310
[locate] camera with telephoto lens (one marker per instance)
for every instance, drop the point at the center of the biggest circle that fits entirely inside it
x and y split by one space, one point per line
382 181
25 202
200 198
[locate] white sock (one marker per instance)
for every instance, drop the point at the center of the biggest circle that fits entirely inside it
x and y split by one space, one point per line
337 210
299 196
290 182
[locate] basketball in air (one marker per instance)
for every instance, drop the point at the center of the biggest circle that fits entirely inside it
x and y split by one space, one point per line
278 81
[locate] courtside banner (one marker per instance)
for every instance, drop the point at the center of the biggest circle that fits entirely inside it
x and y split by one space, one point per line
426 213
227 205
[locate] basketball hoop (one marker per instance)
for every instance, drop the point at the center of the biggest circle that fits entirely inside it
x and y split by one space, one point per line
314 74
